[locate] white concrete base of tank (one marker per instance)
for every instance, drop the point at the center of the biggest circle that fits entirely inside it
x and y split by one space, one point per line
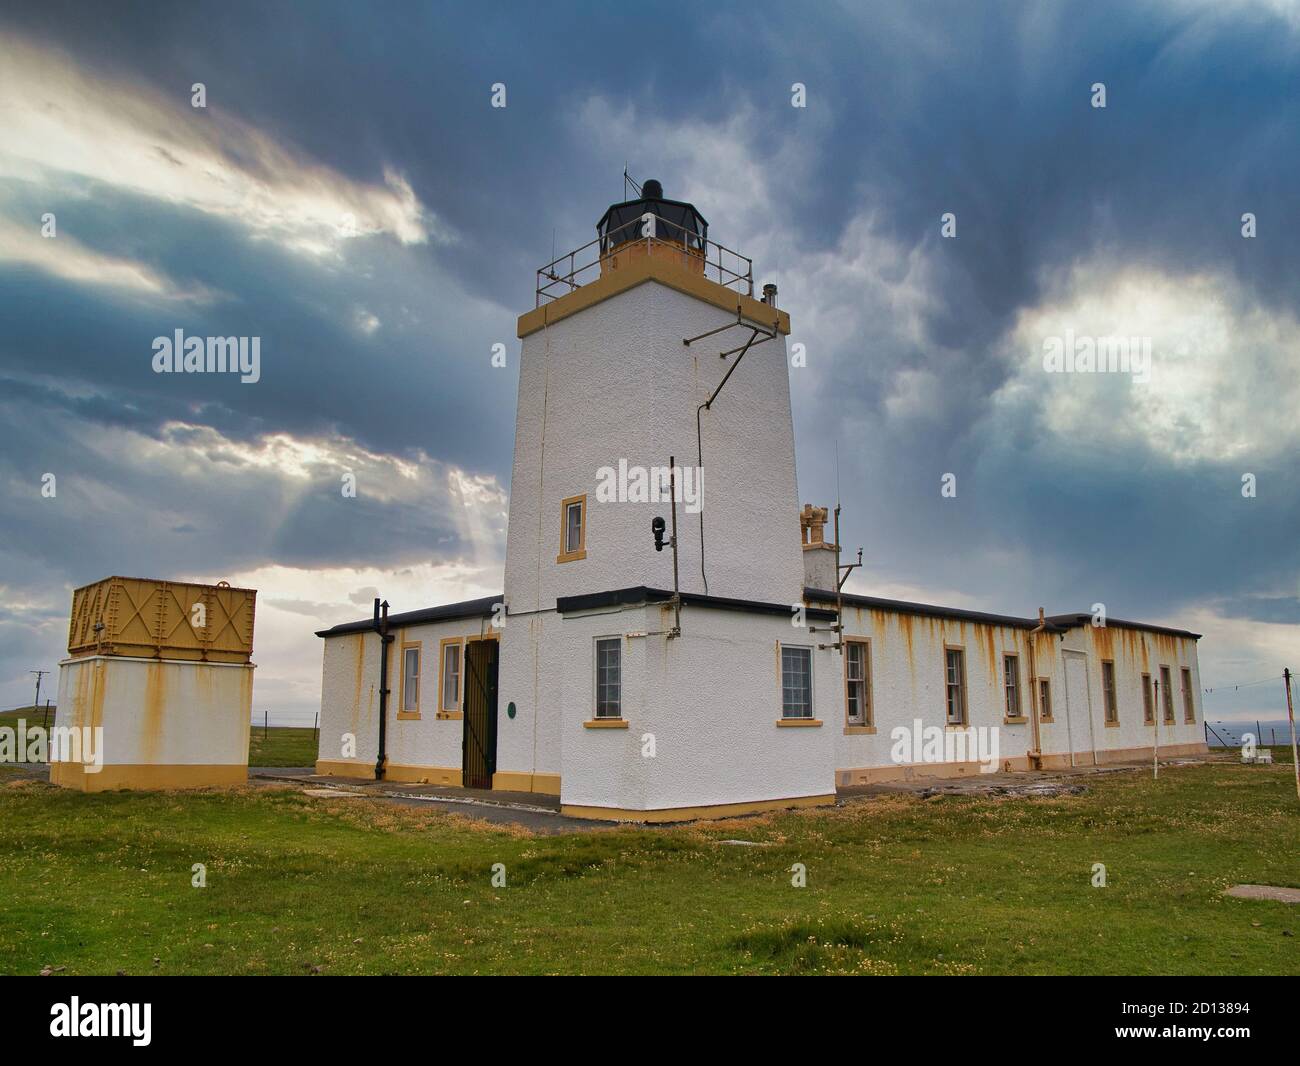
162 723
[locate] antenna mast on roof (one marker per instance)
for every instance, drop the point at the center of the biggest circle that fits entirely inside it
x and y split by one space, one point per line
627 180
842 570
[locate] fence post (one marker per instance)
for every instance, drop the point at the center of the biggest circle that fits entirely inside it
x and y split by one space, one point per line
1290 714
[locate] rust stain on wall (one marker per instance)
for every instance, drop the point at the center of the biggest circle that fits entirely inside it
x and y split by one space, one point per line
1101 642
905 628
984 636
1044 653
97 690
359 643
151 725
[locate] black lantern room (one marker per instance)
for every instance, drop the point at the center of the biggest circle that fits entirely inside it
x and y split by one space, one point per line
674 221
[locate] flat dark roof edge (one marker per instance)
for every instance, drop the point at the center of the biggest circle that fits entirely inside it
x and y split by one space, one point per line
1056 623
929 610
444 613
638 594
1072 621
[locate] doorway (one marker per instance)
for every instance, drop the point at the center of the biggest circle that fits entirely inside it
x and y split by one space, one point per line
479 739
1078 710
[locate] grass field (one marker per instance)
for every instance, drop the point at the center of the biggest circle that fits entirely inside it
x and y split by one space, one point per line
901 884
281 747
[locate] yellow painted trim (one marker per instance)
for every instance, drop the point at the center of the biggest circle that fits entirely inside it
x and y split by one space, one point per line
780 688
423 775
449 716
797 723
1111 725
1021 720
404 715
581 551
345 768
690 814
147 776
650 268
859 730
460 676
516 781
605 723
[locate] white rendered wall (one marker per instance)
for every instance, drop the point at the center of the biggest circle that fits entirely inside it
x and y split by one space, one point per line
531 676
907 661
1134 653
716 701
167 712
350 698
615 382
710 699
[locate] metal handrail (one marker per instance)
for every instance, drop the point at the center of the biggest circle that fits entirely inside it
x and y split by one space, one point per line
550 277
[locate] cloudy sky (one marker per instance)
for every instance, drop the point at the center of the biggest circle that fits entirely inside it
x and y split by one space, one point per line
349 195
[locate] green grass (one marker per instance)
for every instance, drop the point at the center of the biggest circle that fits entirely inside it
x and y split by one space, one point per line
281 747
34 715
101 883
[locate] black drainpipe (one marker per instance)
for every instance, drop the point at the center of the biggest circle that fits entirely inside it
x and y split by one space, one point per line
385 639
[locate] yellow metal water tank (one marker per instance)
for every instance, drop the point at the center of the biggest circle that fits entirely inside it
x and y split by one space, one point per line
144 618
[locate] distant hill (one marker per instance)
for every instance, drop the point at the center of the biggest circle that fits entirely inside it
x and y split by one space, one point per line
29 713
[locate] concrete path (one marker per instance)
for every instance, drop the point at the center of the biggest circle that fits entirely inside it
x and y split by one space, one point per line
531 810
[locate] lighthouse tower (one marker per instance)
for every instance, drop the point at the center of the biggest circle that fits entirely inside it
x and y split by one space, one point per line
646 671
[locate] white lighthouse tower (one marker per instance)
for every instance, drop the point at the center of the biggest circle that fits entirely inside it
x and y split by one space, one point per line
656 683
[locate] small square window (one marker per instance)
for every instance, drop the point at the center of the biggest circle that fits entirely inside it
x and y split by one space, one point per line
1111 705
857 682
609 677
1011 684
451 677
573 529
796 682
1189 706
955 685
410 679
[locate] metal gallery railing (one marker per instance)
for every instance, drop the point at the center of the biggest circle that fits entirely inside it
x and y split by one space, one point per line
573 270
